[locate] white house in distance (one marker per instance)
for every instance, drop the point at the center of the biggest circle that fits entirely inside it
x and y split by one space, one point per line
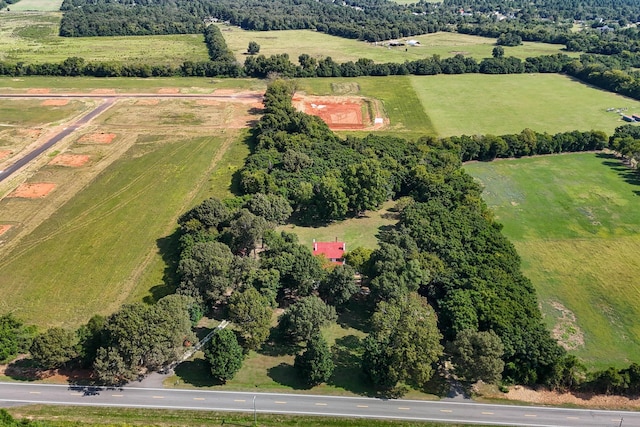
333 251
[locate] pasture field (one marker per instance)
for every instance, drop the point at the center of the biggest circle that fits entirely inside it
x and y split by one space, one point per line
574 222
33 38
36 5
92 250
490 104
320 45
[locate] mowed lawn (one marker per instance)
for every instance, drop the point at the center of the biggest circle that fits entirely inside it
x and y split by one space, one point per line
321 45
500 104
575 223
81 261
33 38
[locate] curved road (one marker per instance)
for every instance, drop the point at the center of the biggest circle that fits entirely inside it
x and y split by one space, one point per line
300 404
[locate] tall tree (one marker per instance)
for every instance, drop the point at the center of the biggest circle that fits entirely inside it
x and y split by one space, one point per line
366 185
306 317
315 365
251 312
224 355
253 48
338 286
54 348
477 356
404 343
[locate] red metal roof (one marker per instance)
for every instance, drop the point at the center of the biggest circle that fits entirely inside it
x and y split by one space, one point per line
331 250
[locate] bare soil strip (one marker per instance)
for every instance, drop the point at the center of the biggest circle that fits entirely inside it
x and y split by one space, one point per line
4 228
97 138
71 160
54 102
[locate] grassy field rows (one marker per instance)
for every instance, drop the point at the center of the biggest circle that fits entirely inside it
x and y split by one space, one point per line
574 221
36 5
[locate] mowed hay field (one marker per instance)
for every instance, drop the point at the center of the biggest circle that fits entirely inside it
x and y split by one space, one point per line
500 104
574 220
36 5
102 246
321 45
33 38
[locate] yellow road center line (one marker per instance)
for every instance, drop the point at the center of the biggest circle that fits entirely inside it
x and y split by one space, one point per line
279 402
75 394
321 404
116 395
487 413
530 415
34 392
239 400
363 406
198 398
446 410
404 408
158 397
573 418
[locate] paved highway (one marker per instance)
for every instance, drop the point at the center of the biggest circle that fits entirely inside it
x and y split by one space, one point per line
300 404
13 168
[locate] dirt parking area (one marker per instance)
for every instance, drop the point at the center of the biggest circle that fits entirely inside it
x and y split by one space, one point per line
342 112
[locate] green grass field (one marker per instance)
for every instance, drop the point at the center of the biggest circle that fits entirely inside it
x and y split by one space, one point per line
574 221
33 38
81 260
490 104
296 42
65 416
36 5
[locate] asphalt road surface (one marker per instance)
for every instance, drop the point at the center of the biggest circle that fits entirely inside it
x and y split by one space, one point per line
21 162
300 404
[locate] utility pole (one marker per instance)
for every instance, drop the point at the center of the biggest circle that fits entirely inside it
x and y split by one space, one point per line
255 415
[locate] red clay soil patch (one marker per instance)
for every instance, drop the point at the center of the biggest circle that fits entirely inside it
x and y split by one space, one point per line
33 191
224 92
338 113
148 102
104 91
546 397
169 90
71 160
54 102
4 228
39 90
4 154
97 138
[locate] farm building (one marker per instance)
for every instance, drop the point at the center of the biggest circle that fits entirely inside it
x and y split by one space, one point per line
636 117
628 119
333 251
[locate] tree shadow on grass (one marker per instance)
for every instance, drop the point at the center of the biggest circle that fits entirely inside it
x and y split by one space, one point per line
169 249
347 374
278 345
355 316
624 170
285 374
196 373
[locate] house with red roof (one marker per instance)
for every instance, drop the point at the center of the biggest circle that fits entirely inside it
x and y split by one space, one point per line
333 251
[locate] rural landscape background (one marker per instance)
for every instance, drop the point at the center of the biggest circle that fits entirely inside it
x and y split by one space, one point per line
103 231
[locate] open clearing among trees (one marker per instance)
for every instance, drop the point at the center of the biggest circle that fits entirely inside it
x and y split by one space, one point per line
574 220
36 5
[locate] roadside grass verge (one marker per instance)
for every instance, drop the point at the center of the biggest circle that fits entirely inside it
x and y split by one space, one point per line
94 417
29 112
81 260
574 222
33 38
321 45
499 104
